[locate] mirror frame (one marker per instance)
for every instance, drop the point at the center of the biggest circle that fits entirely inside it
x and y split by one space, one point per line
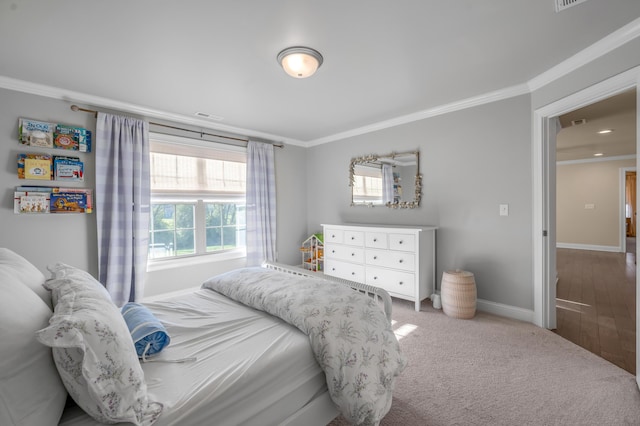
372 158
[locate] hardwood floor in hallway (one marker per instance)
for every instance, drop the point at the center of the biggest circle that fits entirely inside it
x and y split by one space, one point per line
596 301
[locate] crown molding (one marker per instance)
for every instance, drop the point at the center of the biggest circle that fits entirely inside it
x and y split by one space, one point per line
486 98
106 103
596 160
600 48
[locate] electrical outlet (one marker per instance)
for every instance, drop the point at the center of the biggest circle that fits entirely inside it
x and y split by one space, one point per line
504 209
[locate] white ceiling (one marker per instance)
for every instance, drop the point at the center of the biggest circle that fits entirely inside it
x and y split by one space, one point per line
383 59
579 138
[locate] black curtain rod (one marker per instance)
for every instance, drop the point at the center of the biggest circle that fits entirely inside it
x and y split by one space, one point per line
77 108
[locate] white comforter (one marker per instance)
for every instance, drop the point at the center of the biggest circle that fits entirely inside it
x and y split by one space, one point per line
352 340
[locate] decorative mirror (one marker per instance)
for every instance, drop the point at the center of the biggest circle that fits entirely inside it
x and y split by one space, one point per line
392 180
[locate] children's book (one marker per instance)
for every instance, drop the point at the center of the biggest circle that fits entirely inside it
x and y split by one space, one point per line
68 168
31 202
68 202
87 193
65 137
35 133
35 166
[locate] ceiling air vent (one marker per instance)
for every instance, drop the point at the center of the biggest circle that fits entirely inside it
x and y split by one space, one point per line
578 122
565 4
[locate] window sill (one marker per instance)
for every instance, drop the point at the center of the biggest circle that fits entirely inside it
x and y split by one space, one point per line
164 264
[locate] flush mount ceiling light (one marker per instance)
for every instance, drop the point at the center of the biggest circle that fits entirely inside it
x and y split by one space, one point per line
300 62
605 131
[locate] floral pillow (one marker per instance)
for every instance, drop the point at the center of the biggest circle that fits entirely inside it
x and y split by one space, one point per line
94 353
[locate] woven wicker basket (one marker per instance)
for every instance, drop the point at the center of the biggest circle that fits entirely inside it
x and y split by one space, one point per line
458 291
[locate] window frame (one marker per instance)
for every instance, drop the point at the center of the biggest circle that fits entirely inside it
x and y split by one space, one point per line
199 200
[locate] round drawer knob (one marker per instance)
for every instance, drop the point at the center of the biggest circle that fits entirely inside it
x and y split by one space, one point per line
353 254
375 278
353 238
375 257
400 242
401 283
375 240
353 273
400 261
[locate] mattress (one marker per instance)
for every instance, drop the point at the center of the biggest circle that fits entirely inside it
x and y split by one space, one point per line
250 368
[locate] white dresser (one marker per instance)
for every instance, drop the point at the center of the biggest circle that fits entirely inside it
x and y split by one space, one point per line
399 259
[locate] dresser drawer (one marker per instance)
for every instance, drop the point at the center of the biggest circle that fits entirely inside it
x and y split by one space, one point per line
391 259
376 240
345 270
333 235
354 238
403 242
344 252
392 281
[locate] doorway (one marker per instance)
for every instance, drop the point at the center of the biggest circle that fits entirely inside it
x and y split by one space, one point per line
544 232
595 199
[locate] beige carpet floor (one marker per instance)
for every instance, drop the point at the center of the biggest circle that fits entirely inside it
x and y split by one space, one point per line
495 371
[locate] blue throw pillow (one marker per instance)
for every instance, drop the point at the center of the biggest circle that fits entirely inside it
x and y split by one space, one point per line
147 332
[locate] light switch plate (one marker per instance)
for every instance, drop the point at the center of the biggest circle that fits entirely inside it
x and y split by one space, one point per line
504 209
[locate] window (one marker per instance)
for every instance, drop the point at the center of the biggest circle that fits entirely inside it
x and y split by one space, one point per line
367 184
197 197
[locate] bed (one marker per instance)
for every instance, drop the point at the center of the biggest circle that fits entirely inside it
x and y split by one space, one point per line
248 348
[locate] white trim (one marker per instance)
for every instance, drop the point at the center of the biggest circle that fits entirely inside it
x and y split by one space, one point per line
503 310
194 260
622 187
596 160
486 98
607 88
591 53
100 102
605 45
592 247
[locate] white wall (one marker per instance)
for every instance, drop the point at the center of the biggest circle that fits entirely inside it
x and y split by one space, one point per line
72 238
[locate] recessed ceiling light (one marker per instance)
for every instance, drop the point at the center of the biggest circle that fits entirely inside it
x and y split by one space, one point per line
599 154
209 116
603 131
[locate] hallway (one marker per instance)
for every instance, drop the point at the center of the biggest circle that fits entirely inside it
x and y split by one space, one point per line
595 302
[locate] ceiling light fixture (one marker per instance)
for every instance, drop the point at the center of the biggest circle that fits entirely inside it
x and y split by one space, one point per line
599 154
300 62
604 131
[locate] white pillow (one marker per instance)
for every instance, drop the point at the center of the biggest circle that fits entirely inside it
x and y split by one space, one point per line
93 351
31 392
82 283
19 270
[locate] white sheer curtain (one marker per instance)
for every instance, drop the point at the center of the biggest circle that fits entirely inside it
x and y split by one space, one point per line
122 204
261 203
387 183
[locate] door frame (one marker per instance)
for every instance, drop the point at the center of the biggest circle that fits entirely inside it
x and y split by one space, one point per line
544 204
623 206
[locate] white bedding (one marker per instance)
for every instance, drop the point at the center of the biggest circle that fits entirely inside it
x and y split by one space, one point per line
352 340
251 368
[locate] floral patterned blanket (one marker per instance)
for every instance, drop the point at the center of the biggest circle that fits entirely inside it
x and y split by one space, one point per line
352 340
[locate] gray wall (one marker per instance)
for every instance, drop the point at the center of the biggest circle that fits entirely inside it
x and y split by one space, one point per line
468 170
72 238
43 239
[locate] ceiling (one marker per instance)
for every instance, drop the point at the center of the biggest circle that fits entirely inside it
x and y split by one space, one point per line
579 138
383 60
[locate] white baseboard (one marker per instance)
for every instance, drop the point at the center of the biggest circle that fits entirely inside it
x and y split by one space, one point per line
616 249
508 311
